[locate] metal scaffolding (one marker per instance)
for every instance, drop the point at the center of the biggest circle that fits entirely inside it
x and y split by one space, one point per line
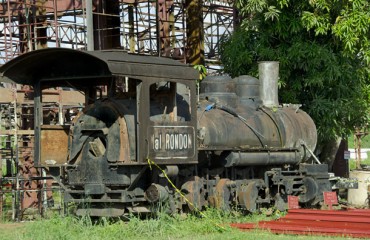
30 25
27 185
186 30
219 22
160 28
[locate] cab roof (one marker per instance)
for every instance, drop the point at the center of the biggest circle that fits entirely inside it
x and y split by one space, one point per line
58 64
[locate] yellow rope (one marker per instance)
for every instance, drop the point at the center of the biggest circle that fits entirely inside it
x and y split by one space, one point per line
150 162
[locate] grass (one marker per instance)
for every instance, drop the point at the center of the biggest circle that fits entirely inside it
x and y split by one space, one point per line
214 226
352 162
365 142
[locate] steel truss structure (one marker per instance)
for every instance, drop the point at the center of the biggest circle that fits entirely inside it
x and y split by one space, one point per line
186 30
141 26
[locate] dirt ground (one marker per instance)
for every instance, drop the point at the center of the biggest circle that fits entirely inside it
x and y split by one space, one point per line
10 226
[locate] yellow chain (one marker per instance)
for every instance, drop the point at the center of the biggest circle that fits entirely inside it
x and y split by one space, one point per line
150 163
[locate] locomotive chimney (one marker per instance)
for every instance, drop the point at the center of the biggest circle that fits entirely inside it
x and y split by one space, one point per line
269 75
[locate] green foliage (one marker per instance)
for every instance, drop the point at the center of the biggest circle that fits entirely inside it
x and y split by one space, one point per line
202 71
163 227
353 163
365 141
323 47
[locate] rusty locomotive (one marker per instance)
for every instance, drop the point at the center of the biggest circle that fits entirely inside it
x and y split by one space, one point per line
150 140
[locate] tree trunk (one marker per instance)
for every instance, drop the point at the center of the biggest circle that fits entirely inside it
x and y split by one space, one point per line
328 150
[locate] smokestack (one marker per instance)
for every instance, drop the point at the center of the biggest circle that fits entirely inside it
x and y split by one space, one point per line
269 75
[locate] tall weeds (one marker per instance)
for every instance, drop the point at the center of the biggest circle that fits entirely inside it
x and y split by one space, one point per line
212 225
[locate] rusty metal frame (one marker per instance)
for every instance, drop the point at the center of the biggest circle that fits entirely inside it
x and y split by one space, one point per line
146 27
219 22
20 37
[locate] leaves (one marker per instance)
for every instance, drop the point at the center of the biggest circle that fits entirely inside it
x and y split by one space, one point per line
353 29
323 47
272 13
254 5
202 71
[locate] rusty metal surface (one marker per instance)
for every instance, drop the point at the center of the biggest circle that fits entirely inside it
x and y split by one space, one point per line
60 5
104 117
71 97
221 196
54 5
6 95
329 215
352 223
165 13
247 196
30 186
194 193
59 96
229 122
54 144
156 193
263 129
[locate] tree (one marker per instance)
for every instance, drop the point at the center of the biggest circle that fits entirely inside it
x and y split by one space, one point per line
323 47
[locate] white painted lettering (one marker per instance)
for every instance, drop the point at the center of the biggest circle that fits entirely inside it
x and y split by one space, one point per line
181 141
167 141
185 141
176 141
189 143
172 141
156 144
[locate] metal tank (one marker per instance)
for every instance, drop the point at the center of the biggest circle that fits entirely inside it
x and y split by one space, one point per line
262 135
247 88
220 89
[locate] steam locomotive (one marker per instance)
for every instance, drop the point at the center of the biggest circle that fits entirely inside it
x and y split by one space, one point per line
152 140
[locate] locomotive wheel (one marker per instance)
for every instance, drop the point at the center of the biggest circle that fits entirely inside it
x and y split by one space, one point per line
221 195
194 193
310 190
247 197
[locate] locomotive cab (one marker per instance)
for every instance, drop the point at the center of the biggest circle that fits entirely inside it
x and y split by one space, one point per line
136 108
143 119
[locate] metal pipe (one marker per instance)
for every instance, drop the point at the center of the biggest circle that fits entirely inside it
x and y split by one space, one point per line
89 25
57 42
269 76
312 154
261 158
131 31
158 29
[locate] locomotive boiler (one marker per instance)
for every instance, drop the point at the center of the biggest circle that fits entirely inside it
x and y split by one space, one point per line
150 141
